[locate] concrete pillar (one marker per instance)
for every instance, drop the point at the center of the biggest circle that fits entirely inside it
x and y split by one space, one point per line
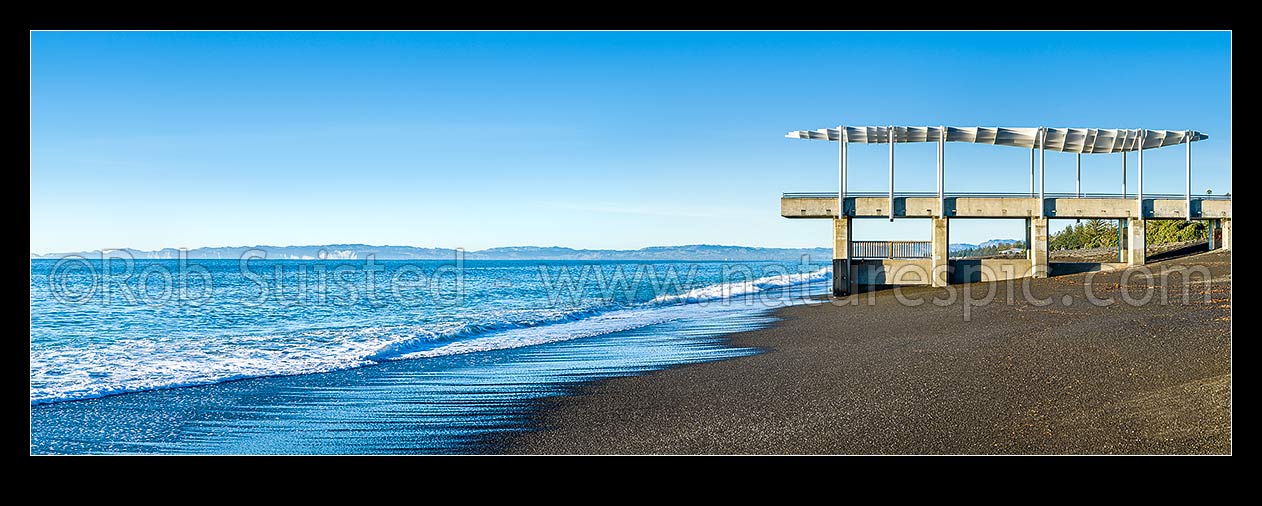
1038 247
843 284
1210 225
941 252
1225 225
1135 244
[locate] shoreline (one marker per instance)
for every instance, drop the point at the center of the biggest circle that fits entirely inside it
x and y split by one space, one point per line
441 405
888 378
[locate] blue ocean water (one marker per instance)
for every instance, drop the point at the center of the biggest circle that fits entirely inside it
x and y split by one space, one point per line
452 348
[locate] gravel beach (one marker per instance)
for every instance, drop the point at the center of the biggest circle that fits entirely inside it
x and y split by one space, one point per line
883 377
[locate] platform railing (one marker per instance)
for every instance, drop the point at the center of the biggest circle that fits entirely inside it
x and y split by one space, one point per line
890 249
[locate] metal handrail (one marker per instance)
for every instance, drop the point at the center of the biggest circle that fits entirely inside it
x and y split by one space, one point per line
890 249
1130 196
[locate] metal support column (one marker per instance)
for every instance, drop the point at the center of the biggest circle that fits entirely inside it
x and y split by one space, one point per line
1139 180
1187 138
842 139
941 172
1123 173
1031 171
1078 176
1042 178
891 139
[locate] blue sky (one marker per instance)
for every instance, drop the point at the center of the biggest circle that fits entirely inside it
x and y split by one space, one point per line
581 139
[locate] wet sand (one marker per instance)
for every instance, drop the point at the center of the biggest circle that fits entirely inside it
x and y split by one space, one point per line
882 377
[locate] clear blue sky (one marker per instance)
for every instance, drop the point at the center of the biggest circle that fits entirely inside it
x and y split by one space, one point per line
590 140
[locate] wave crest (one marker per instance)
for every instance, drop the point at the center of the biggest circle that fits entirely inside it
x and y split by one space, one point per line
731 290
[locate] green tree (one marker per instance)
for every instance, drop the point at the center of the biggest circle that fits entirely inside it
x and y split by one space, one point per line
1168 231
1088 234
1103 234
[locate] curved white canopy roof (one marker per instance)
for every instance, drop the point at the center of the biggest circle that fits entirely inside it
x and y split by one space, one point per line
1072 140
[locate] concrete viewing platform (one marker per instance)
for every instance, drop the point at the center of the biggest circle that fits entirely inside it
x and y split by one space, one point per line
931 265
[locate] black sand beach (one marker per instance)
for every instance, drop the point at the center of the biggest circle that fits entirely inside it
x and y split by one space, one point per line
889 378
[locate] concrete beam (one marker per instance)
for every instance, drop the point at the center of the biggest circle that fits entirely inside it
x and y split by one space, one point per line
904 207
1135 244
1212 209
992 207
1088 208
809 208
1170 208
1038 247
941 252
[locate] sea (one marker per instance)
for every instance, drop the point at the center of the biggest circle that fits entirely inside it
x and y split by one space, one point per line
363 356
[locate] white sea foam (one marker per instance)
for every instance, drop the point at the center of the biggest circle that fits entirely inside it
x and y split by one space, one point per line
595 325
144 364
737 289
104 368
147 364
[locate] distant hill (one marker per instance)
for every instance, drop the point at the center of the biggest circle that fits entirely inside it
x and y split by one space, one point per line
963 246
360 251
1000 242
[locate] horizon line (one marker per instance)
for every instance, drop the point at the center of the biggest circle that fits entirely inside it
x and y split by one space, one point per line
264 246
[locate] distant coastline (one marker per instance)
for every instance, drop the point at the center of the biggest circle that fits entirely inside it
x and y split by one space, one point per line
700 252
